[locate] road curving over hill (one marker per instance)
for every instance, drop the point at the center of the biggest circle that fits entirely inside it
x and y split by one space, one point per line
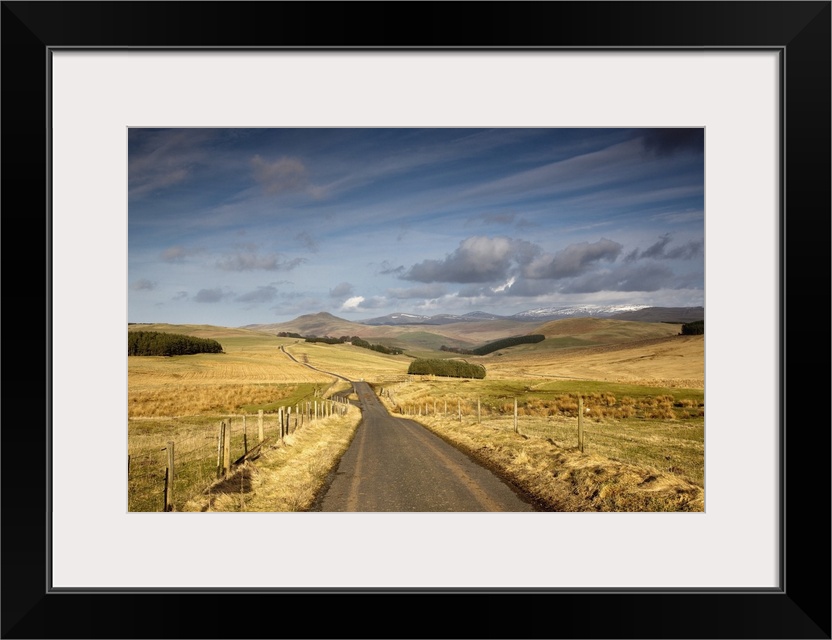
396 465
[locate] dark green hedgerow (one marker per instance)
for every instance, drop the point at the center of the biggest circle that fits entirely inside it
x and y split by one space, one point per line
446 368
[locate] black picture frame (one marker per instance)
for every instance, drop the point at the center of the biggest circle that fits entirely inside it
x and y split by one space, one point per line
799 31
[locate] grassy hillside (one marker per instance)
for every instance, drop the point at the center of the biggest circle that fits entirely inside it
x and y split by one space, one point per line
316 324
676 361
321 324
252 372
642 383
197 330
350 361
606 331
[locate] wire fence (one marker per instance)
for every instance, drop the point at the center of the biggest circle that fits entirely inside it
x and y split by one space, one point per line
658 431
172 460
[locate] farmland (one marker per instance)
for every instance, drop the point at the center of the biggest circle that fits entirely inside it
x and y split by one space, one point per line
641 384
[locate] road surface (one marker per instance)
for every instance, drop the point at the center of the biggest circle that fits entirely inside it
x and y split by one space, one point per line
394 464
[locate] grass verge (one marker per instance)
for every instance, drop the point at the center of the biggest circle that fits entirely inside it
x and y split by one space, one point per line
287 476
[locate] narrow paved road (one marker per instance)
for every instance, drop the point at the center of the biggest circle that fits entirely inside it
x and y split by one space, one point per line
397 465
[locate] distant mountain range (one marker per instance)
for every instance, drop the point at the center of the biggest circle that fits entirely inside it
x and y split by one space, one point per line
407 329
638 313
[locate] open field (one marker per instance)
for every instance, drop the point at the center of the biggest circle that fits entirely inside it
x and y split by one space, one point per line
636 466
676 361
252 373
643 388
184 398
353 362
196 447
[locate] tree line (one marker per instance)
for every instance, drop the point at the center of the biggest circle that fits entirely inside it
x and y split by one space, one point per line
490 347
355 340
696 328
157 343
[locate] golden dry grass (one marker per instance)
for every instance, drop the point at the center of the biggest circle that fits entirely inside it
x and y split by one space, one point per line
644 450
288 476
561 478
355 363
252 371
677 361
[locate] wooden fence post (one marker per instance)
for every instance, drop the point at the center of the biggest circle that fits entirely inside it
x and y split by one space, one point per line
260 425
245 437
226 450
459 408
220 448
169 479
515 416
479 415
289 419
581 423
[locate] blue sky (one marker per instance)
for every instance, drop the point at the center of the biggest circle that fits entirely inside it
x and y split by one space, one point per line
241 226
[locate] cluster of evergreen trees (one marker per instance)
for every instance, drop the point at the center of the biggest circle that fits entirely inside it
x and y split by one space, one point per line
288 334
157 343
467 352
325 340
508 342
696 328
358 342
446 368
494 346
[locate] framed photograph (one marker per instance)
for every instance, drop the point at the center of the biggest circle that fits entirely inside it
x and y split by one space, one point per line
88 84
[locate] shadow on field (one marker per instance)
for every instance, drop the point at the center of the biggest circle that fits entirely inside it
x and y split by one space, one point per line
237 482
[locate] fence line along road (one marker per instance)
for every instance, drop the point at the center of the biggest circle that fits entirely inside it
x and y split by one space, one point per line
162 478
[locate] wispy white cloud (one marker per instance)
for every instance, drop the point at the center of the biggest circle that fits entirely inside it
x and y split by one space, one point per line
306 239
178 253
341 289
360 303
427 291
284 175
210 295
250 261
143 284
261 294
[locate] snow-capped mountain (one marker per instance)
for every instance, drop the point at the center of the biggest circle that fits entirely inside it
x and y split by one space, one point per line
532 315
579 311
